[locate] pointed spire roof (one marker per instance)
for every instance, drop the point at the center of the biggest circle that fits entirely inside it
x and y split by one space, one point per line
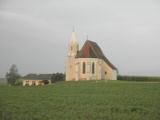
73 37
73 44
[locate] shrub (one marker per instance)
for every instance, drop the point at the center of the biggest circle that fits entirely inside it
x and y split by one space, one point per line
139 78
18 82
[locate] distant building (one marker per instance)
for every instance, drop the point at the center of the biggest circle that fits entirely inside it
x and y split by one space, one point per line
35 80
89 63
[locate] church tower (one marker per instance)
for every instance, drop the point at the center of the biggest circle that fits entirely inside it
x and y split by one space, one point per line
72 52
73 45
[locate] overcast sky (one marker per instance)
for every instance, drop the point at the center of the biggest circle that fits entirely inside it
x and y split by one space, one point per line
34 34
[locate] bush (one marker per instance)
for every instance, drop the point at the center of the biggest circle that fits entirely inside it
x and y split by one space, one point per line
139 78
57 77
18 83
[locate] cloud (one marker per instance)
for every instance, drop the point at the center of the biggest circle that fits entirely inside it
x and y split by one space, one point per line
24 18
38 33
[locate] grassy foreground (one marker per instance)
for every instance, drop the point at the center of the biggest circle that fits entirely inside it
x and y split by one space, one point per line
112 100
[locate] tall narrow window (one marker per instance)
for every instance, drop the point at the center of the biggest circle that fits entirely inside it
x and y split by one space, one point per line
84 67
93 68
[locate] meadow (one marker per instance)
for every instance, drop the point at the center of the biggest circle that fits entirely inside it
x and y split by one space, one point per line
3 81
85 100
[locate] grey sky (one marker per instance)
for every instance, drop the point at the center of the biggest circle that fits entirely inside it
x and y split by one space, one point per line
34 34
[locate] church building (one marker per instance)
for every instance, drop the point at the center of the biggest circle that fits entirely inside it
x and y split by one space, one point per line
89 63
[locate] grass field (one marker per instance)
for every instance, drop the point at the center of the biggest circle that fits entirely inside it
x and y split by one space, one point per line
112 100
3 81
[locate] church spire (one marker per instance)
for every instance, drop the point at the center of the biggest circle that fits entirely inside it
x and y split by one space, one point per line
73 44
73 36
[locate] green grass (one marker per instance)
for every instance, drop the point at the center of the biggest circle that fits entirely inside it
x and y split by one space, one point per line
3 81
87 100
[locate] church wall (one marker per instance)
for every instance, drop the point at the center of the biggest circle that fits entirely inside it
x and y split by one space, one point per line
70 69
114 75
109 73
88 73
108 69
74 70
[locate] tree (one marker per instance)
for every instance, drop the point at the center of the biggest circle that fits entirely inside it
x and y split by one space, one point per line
57 77
12 75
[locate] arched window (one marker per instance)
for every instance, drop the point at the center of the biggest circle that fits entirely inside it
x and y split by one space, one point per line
93 68
84 68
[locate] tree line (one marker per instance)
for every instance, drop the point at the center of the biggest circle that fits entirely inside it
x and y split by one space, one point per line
139 78
14 78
